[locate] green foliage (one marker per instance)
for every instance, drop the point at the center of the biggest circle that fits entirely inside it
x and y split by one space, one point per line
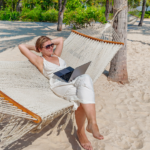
110 16
31 15
147 3
95 2
134 3
45 4
6 14
134 13
147 14
50 15
77 12
37 14
80 16
73 4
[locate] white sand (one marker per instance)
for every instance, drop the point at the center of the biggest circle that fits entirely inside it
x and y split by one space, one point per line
123 111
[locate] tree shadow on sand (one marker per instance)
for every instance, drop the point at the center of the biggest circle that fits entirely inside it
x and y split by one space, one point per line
29 138
134 28
15 33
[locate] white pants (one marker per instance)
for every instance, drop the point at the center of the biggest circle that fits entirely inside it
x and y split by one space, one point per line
81 91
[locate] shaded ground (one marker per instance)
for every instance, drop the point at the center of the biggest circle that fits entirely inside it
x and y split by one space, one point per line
15 33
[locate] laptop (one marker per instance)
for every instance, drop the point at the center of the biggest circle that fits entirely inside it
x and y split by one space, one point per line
68 74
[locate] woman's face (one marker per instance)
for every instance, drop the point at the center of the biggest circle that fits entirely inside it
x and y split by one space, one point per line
47 48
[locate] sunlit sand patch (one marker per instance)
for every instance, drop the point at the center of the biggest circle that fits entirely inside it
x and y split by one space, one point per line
14 37
5 33
123 111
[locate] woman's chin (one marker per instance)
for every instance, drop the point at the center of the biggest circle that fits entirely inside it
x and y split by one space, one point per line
49 54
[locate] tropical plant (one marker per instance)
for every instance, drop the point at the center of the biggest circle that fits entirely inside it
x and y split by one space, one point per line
51 15
32 15
79 17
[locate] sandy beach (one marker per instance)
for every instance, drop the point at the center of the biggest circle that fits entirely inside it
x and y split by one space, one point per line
123 111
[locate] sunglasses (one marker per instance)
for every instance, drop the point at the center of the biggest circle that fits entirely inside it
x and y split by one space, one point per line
49 46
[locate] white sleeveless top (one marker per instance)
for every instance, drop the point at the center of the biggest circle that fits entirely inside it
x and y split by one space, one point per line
68 90
48 70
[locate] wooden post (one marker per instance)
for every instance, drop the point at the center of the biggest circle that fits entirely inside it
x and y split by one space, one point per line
118 67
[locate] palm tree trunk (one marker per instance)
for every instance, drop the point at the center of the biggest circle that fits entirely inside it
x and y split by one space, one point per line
61 14
111 7
107 10
118 67
143 13
17 7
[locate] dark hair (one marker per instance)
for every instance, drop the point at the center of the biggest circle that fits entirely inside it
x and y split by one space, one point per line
40 41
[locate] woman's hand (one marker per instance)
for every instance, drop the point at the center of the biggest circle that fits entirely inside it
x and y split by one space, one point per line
59 45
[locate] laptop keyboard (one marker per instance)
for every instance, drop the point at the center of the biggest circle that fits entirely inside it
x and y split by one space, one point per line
67 76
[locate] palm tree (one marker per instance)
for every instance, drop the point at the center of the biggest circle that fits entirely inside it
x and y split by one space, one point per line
17 6
62 4
118 67
107 10
143 13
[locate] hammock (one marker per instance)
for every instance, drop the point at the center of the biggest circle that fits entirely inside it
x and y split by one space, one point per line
80 48
26 102
35 105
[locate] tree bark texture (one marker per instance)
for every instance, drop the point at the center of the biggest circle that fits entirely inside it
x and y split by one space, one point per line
143 13
110 7
17 7
107 10
118 66
61 14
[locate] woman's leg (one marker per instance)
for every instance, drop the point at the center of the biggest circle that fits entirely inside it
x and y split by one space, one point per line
80 120
92 123
85 93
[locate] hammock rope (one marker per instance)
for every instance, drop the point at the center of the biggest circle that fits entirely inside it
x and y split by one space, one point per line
122 7
105 31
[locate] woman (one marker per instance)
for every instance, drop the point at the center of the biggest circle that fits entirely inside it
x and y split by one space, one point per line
80 90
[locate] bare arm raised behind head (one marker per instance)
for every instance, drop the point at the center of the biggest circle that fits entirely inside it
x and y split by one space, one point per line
59 45
33 58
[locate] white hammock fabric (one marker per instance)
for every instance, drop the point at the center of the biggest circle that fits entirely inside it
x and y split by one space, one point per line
80 48
24 84
28 87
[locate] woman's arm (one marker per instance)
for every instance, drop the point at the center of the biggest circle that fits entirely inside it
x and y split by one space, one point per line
33 58
59 45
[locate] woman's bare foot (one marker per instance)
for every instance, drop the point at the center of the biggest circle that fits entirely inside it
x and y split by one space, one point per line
84 142
93 128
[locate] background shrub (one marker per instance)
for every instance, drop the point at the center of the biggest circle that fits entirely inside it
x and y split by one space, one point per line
138 14
32 15
6 14
50 15
81 16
